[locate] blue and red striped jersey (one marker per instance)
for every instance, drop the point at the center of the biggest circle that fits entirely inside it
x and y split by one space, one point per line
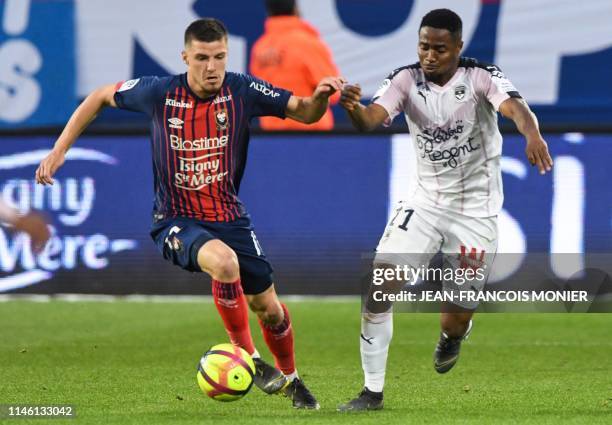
199 146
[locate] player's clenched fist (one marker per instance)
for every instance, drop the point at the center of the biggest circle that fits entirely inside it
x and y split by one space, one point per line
49 166
350 97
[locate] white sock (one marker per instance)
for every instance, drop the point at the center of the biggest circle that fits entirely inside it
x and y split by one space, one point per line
292 376
255 355
376 333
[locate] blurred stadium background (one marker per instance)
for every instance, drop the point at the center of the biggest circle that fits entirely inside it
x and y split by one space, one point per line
318 201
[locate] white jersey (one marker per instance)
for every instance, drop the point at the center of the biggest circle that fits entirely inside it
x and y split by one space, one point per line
455 134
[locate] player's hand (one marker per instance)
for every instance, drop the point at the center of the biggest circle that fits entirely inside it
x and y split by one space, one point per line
328 86
537 154
34 225
351 96
49 166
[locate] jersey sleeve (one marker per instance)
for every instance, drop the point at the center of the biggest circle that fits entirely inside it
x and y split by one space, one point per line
495 86
138 95
390 96
265 99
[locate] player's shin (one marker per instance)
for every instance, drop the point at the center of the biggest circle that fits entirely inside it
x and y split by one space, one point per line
376 334
232 307
279 338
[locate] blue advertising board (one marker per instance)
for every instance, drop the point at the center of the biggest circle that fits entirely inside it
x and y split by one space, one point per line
319 204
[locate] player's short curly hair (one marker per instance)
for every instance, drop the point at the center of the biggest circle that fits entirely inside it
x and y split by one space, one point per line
280 7
205 29
444 19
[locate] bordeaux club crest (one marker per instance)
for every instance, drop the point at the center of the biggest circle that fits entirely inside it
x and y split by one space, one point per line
460 92
221 119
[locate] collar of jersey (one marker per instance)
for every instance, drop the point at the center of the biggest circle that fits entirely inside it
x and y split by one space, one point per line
449 83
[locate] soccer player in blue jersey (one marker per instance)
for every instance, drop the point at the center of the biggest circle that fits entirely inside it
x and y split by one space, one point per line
199 135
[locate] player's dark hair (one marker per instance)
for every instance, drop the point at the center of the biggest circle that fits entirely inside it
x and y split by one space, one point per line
205 29
444 19
280 7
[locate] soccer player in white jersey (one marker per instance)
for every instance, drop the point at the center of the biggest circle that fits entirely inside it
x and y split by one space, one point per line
450 104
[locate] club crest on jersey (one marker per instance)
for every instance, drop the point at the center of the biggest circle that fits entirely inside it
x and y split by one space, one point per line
221 119
460 92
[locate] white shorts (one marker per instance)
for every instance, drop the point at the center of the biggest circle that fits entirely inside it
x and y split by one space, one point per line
414 235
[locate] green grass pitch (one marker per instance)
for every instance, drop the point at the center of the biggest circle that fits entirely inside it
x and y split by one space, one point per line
135 363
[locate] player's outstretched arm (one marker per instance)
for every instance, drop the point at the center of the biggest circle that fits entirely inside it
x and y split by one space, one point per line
527 123
364 118
310 109
80 119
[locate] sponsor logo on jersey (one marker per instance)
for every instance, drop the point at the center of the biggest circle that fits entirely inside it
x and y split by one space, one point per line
128 84
266 91
221 119
178 104
448 157
222 99
460 92
196 181
176 123
201 171
495 72
503 83
439 134
178 144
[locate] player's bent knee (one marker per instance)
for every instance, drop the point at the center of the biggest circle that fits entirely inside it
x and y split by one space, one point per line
220 262
227 269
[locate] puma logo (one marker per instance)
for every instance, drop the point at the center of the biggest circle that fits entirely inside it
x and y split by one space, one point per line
368 340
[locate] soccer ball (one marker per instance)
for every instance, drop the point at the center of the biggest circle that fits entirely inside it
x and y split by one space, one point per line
225 372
